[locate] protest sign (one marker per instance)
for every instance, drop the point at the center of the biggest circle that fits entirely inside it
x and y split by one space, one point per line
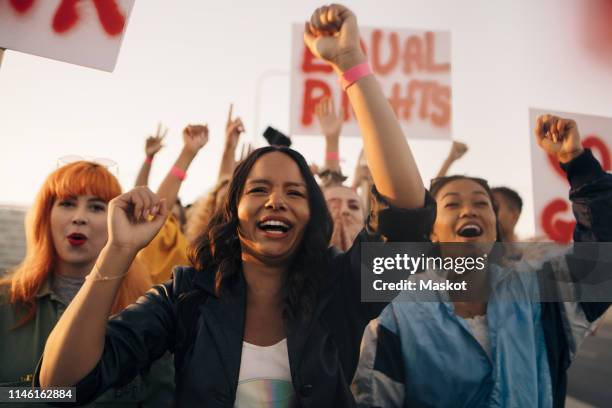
86 32
413 67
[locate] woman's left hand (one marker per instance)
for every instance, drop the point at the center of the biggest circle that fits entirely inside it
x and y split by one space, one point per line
558 137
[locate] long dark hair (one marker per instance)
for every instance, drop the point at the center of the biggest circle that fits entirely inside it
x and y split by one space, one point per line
217 250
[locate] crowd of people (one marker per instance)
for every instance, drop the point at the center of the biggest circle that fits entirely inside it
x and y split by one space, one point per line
251 296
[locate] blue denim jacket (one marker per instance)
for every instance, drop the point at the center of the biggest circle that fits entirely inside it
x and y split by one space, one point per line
420 354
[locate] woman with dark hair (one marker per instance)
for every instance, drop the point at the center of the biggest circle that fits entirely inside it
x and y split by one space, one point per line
508 338
269 316
221 249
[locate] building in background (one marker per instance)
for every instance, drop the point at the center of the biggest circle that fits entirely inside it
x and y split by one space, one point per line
12 236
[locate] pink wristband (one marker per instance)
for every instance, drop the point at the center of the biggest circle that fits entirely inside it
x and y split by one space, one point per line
178 173
332 156
149 160
352 75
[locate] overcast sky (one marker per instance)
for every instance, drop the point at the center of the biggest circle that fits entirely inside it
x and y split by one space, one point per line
185 61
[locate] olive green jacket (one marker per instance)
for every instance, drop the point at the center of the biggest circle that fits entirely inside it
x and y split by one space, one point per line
21 348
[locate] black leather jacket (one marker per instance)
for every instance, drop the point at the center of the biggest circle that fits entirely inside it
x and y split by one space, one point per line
323 351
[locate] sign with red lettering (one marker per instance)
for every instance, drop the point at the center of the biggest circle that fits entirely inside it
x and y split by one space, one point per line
553 210
82 32
412 66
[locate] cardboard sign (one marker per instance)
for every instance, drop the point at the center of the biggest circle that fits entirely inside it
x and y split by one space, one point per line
412 66
82 32
552 208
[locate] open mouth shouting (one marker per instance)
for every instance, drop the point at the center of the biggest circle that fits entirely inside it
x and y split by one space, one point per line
470 230
76 239
274 227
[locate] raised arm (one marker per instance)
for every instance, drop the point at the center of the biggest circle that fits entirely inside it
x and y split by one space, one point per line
233 129
194 138
587 266
331 126
362 181
332 35
77 340
456 152
153 145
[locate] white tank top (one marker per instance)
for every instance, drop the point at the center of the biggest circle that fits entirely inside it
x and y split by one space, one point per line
480 330
265 377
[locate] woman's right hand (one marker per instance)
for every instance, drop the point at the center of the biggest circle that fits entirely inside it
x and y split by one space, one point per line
134 218
332 35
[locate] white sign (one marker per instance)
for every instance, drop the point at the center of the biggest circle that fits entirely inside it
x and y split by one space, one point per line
553 210
412 66
84 32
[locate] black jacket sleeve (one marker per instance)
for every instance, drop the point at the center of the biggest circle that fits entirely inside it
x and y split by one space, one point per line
591 196
385 223
347 316
135 338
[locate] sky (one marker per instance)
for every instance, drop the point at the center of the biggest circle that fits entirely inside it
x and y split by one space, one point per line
186 61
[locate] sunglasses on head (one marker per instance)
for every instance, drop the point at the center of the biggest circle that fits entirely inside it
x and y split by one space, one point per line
110 165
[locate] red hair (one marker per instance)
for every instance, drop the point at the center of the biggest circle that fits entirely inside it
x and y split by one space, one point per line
79 178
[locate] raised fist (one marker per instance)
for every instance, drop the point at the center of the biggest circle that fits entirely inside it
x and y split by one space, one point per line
134 218
195 137
558 137
332 35
457 151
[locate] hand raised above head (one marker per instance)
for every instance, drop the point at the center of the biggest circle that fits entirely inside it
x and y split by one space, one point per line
153 143
233 129
329 120
457 151
558 137
332 35
195 137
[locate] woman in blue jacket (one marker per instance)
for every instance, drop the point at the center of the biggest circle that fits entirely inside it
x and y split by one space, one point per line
505 347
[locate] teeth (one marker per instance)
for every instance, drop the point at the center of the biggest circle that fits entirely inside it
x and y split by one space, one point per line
274 223
470 231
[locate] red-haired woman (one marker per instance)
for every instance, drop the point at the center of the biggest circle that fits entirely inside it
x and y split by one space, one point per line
66 230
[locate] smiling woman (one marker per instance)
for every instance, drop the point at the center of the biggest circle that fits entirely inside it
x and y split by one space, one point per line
264 281
270 217
499 324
